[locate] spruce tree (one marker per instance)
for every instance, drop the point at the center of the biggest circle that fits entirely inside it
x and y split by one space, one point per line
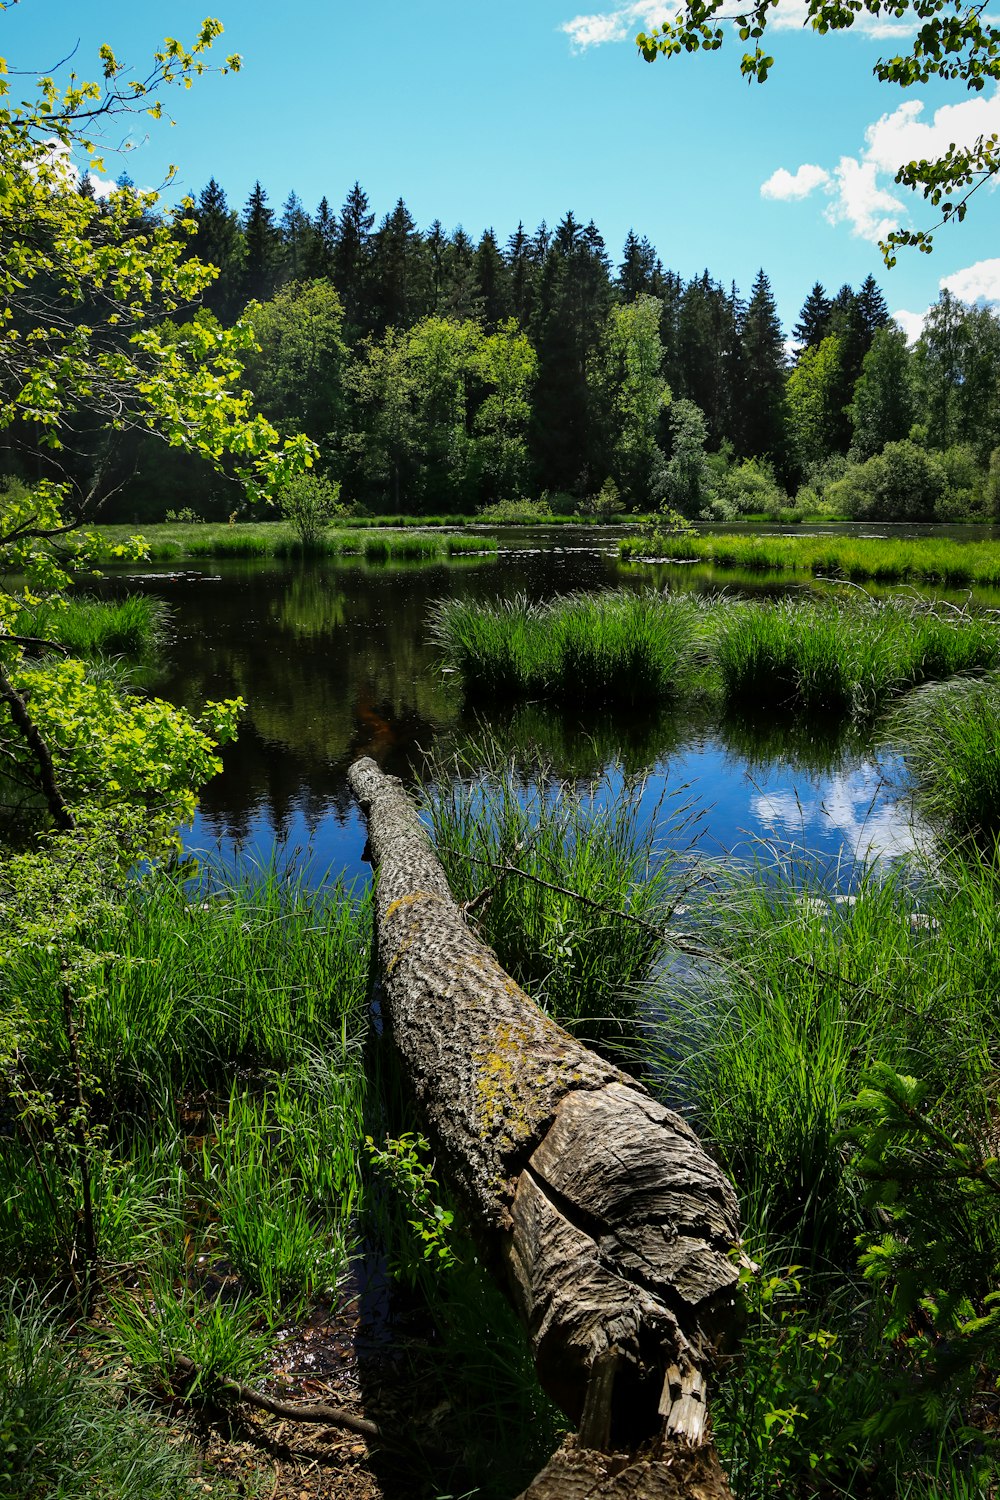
401 282
635 274
493 281
352 263
321 244
218 241
762 348
814 319
295 236
263 247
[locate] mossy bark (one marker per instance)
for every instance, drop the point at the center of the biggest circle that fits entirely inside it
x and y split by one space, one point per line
614 1225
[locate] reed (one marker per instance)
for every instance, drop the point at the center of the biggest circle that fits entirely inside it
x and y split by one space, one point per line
949 739
173 541
580 649
133 627
879 559
573 888
844 657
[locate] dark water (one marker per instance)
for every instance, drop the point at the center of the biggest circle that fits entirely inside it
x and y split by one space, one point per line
334 660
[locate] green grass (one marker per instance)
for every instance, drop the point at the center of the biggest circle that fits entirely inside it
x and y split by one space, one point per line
842 657
791 999
949 738
880 559
581 649
176 541
579 892
133 627
66 1429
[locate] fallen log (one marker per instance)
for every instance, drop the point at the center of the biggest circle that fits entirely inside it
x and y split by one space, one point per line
614 1226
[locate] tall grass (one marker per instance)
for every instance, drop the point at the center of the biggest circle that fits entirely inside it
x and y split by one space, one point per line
583 649
949 738
132 627
574 890
67 1431
797 996
844 657
173 542
880 559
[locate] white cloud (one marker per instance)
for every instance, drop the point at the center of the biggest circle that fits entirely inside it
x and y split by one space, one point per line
911 323
903 136
611 25
980 282
624 21
861 187
787 186
102 187
857 199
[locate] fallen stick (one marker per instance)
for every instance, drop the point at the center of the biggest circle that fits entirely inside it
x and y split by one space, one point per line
614 1227
294 1411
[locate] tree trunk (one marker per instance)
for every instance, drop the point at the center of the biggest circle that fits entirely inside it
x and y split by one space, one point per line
614 1226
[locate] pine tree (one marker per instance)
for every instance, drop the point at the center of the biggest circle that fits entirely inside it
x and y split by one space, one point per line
401 282
493 281
437 254
295 236
523 266
218 241
574 297
352 263
461 288
635 274
321 244
263 247
762 348
814 319
872 309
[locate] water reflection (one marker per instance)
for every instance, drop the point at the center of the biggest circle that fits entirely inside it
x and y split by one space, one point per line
333 660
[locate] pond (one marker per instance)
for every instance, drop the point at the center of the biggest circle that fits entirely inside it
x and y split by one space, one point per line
334 660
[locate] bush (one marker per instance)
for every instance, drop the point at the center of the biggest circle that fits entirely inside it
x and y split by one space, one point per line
516 512
605 505
750 488
311 503
902 483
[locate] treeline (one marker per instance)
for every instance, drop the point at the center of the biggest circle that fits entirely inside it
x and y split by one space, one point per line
436 373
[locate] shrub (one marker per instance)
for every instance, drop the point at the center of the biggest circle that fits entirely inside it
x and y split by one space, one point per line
311 503
902 483
516 512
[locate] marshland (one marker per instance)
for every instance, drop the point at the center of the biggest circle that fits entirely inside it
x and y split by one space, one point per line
680 627
742 841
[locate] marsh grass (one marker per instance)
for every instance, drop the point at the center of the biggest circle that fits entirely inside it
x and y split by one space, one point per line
949 738
66 1431
878 559
172 542
841 657
133 627
579 890
581 649
796 996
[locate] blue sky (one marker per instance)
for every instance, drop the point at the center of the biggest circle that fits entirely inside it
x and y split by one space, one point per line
482 115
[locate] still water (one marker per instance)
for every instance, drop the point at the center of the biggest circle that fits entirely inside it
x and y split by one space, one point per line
334 660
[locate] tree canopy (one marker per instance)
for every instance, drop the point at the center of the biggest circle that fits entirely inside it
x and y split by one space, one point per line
99 337
952 41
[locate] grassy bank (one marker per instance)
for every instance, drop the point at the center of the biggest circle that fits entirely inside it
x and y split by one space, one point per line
879 559
844 657
176 541
839 1054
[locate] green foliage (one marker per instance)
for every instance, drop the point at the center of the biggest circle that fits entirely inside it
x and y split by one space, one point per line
516 513
687 483
407 1176
750 488
605 505
949 737
311 504
902 483
66 1430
